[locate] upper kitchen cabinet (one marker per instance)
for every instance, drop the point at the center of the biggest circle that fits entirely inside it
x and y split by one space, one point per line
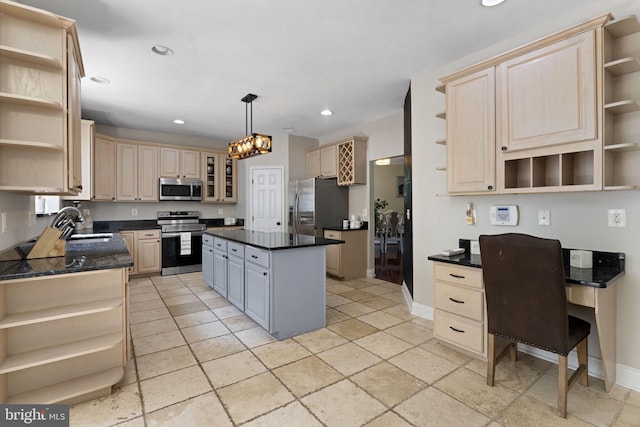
352 161
323 162
220 177
88 132
136 172
175 163
471 133
104 166
40 69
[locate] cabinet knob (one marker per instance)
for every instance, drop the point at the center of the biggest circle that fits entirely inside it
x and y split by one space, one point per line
80 186
264 273
504 148
490 187
278 223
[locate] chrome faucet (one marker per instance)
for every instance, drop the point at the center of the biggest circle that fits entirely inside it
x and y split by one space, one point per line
79 217
64 215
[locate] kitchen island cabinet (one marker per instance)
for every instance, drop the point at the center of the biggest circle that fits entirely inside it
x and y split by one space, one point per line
284 279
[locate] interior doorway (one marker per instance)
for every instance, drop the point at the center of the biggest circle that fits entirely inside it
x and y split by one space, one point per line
388 218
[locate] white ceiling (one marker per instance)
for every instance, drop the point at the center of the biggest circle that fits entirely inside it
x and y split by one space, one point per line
355 57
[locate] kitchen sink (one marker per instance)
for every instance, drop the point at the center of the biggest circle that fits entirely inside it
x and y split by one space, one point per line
90 238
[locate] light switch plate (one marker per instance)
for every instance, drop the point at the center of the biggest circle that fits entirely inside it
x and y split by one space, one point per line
3 229
617 217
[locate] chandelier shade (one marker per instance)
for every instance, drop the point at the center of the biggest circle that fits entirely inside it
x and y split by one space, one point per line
253 144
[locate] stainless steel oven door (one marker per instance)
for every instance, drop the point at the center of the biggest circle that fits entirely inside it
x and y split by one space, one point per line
175 260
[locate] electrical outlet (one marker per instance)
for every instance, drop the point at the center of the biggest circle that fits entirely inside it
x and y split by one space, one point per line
617 217
544 217
220 211
364 212
134 212
3 220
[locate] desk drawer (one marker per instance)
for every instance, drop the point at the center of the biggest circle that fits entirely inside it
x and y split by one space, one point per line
459 331
459 300
467 276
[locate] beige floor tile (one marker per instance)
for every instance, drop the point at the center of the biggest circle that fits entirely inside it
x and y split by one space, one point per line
239 323
380 320
130 375
233 368
378 290
320 340
442 350
336 300
204 410
153 327
169 285
352 329
378 302
425 323
527 411
383 345
349 358
294 414
217 347
387 383
280 353
629 416
147 296
307 375
205 293
410 332
149 315
254 337
204 331
158 342
216 302
422 364
516 375
472 389
397 297
596 407
165 361
356 295
338 288
174 292
142 289
124 404
134 307
431 407
343 404
187 308
400 311
181 299
388 419
334 316
136 422
227 312
253 397
354 309
193 319
633 397
174 387
360 283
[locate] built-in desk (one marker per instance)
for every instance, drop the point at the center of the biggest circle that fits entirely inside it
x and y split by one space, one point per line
589 287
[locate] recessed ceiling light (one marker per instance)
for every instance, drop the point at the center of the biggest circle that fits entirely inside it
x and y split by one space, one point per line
100 80
178 121
161 50
490 3
326 112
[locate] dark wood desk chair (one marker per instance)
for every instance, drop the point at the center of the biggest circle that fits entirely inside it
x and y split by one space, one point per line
527 303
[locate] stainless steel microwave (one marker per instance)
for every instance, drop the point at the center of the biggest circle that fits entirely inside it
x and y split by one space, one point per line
180 189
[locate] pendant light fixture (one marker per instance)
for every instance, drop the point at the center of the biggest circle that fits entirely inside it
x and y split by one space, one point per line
254 143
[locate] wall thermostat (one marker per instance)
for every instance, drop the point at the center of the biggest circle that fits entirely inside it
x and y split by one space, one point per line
503 215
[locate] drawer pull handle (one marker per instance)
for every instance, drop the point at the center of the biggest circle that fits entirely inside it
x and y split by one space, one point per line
457 276
457 301
456 330
234 250
254 257
264 273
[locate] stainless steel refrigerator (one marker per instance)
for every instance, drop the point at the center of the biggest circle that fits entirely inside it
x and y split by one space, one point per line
316 203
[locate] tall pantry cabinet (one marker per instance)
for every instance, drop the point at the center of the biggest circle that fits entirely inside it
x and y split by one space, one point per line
40 71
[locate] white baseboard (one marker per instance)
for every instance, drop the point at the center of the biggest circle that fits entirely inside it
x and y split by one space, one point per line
371 272
626 376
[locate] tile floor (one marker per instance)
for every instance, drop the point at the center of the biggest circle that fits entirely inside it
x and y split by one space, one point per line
200 362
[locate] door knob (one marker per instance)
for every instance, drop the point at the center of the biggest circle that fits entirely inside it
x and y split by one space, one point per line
278 223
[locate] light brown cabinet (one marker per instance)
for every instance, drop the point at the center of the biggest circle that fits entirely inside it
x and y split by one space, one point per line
145 249
104 167
176 163
220 177
352 161
41 67
136 172
323 162
88 132
349 260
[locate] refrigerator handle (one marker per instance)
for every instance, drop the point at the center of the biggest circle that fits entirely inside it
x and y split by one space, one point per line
296 218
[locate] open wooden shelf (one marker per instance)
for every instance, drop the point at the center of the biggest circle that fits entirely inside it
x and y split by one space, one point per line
56 313
69 389
32 57
622 66
30 101
623 26
629 146
56 353
31 144
621 107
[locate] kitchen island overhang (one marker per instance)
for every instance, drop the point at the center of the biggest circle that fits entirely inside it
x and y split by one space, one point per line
283 284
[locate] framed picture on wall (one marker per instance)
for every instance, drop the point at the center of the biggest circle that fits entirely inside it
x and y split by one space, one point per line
400 186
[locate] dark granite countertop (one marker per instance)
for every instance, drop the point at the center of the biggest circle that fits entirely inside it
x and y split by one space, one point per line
273 241
103 254
150 224
339 228
607 266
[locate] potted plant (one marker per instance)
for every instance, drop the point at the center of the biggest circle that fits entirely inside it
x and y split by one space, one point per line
378 206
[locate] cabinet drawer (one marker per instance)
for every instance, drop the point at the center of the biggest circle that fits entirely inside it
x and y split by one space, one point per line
207 239
331 234
220 244
467 276
256 256
458 300
236 249
459 331
148 234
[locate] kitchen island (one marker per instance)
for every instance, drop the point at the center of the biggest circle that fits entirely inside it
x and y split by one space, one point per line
277 279
63 322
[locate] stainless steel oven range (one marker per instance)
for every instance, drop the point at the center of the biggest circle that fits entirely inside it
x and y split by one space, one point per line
181 234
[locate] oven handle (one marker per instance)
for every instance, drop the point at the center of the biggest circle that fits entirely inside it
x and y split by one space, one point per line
177 234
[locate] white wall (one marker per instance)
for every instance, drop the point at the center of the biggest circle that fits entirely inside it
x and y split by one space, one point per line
578 220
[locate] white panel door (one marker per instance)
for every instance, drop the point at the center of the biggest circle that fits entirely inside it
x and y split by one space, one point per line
267 213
